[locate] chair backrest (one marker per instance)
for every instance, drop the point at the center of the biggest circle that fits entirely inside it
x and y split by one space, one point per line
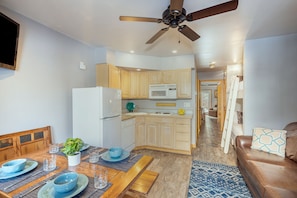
19 143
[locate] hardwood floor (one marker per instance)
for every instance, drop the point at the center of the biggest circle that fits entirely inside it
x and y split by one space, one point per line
174 169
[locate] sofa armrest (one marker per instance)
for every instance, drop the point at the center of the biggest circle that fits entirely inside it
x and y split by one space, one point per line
244 141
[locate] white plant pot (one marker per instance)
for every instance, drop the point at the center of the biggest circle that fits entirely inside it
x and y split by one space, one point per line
74 160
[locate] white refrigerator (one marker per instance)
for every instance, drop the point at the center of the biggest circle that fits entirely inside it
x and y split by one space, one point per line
97 116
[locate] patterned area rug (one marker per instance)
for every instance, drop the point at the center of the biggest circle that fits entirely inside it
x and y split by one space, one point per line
216 180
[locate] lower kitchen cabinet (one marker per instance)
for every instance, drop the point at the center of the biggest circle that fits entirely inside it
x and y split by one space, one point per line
182 134
167 135
164 133
140 133
152 134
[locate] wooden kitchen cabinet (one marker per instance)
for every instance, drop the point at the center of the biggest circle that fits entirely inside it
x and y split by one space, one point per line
125 83
170 76
170 134
107 75
140 133
183 134
152 130
162 77
184 83
167 134
155 77
139 85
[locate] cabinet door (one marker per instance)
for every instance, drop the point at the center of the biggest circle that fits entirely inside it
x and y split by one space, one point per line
125 83
167 135
143 91
155 77
140 139
152 133
169 77
134 84
183 134
114 77
184 83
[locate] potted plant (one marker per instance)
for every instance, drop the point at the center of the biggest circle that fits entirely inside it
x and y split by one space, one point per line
71 149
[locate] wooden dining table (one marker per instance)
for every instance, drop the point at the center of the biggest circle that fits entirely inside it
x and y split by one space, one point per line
120 181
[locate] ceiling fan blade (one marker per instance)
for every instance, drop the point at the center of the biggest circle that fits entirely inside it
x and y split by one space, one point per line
176 7
157 35
218 9
141 19
188 32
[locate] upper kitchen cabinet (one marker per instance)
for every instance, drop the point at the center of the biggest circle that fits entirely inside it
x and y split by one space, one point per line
125 83
162 77
184 83
155 77
139 85
108 75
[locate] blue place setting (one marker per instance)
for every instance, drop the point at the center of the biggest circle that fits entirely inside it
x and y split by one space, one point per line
28 166
49 190
107 157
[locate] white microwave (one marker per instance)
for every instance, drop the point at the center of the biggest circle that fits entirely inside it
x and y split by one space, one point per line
162 91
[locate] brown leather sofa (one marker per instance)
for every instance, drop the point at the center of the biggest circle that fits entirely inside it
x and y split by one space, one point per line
268 175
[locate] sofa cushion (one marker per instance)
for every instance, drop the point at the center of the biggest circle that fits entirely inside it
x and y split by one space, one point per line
274 192
273 175
269 140
291 148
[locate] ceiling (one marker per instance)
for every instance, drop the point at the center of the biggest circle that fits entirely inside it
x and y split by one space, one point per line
96 22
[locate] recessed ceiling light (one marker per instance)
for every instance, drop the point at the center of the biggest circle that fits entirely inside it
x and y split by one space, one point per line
132 51
174 51
212 64
138 69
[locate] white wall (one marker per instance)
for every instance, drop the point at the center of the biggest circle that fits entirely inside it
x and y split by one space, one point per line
152 62
270 70
38 93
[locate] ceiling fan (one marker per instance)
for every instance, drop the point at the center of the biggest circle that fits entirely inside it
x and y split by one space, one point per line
175 14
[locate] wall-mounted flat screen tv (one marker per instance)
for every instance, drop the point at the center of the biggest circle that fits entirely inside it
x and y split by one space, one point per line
9 34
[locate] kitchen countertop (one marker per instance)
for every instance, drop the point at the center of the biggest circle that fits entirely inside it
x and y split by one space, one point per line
136 114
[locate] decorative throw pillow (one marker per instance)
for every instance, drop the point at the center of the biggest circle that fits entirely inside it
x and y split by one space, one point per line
269 140
291 148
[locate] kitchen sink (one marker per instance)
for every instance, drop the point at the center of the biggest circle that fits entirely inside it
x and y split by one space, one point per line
136 113
161 113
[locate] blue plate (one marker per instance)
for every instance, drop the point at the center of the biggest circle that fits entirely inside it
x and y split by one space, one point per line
48 190
85 146
105 156
30 165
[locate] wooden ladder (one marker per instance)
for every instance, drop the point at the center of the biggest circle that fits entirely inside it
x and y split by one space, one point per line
230 114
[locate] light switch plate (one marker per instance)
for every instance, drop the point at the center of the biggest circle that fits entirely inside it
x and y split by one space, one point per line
82 66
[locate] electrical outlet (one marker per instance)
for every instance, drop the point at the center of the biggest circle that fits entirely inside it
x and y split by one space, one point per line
187 104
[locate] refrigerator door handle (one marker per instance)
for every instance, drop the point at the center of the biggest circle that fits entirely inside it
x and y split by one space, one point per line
111 117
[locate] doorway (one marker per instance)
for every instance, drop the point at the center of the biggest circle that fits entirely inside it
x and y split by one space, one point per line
212 100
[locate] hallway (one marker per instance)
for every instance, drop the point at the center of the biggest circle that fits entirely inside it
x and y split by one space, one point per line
209 145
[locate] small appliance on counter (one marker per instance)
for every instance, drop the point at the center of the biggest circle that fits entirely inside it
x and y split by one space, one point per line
130 106
181 112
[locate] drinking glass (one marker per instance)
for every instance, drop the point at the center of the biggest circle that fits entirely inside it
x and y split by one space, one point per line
49 163
93 156
100 178
53 148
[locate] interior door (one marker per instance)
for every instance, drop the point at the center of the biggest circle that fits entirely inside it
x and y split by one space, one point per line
221 103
